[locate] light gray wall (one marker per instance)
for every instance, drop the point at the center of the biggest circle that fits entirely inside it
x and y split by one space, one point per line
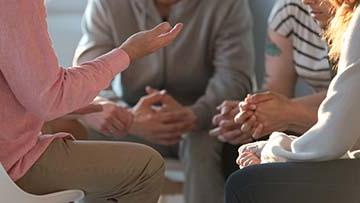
64 20
260 10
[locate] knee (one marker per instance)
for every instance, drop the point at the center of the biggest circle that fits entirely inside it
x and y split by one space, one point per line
232 186
201 148
154 162
237 185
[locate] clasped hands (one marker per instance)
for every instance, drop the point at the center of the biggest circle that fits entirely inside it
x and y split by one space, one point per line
157 117
257 116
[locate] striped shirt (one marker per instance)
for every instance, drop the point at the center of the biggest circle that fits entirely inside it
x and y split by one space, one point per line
292 19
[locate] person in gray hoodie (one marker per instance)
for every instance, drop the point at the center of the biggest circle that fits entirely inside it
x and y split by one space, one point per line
211 61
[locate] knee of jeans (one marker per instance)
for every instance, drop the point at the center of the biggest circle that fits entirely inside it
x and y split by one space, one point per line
243 178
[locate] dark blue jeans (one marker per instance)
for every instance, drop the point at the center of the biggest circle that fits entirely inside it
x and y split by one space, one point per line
321 182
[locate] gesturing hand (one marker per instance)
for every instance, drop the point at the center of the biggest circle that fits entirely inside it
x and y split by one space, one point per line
147 42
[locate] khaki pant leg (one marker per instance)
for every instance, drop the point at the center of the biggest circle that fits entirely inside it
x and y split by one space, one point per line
105 171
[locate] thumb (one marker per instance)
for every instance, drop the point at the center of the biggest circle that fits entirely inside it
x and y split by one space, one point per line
150 90
152 99
260 97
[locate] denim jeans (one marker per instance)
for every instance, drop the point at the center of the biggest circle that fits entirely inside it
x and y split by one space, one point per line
319 182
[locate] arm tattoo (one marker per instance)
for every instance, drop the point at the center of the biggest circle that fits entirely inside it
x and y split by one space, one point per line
271 48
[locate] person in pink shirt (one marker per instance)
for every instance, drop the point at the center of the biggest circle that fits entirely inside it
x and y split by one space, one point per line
34 89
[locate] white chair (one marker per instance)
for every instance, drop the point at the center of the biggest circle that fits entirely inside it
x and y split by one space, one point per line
11 193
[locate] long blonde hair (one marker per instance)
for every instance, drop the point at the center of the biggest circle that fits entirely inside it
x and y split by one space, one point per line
343 12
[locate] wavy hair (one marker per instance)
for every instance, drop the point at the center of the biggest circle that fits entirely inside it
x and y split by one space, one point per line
342 14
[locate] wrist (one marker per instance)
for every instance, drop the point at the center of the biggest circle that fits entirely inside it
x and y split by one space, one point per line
300 117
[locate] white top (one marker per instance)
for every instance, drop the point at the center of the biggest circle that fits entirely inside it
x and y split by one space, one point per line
338 128
291 19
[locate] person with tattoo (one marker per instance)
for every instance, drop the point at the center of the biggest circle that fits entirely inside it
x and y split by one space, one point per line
294 50
323 164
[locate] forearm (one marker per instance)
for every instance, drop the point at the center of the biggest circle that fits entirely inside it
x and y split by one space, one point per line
313 100
301 118
303 112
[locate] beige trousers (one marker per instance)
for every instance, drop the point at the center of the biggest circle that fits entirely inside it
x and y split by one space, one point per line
105 171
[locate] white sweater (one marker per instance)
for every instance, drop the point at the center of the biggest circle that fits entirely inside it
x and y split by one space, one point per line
338 128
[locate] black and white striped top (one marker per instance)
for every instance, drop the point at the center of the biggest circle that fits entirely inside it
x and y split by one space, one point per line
291 19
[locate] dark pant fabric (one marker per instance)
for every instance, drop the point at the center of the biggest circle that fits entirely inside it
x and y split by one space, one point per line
321 182
229 155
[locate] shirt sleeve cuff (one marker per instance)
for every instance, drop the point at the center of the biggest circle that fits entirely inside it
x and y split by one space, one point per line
117 60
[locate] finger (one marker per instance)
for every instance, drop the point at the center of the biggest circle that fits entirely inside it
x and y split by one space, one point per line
234 111
228 106
245 161
115 126
173 116
112 129
215 132
221 139
124 116
241 156
118 124
232 135
149 100
258 131
150 90
230 103
244 158
161 29
261 97
241 117
248 125
247 106
172 128
169 36
241 140
250 161
217 119
229 124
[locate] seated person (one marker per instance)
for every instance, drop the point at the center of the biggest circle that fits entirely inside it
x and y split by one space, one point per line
34 89
294 50
211 61
319 174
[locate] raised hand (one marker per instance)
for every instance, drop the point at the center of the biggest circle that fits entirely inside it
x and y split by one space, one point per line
147 42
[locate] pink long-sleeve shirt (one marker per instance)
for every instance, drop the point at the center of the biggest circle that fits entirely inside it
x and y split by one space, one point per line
34 89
